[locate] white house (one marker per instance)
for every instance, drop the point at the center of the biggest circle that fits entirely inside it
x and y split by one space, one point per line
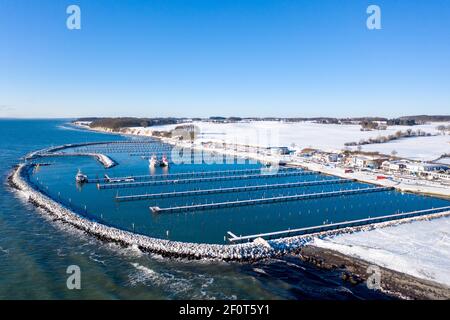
397 165
419 167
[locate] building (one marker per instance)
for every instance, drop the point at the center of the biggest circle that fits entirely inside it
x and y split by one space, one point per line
394 166
367 162
279 150
440 175
423 167
334 157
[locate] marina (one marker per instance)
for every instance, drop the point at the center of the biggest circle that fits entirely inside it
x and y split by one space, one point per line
231 151
245 197
54 188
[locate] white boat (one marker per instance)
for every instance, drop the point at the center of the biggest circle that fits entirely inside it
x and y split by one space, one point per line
80 177
153 161
164 162
267 164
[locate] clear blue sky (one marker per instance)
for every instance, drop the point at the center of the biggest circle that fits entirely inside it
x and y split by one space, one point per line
224 57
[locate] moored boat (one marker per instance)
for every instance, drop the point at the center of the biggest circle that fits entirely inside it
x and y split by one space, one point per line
164 162
153 161
80 177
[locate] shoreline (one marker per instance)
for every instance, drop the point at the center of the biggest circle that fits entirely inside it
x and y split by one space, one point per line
355 271
247 251
395 283
238 252
297 245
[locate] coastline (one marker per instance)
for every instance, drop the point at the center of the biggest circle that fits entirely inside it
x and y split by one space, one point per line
293 245
247 251
355 271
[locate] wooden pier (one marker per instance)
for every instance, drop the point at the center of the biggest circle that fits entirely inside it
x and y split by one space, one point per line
240 203
150 196
205 179
333 226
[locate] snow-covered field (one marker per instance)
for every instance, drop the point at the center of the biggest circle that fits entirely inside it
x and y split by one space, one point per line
444 161
420 148
328 137
421 248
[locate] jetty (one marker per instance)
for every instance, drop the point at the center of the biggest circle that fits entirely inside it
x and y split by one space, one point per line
105 160
333 226
193 174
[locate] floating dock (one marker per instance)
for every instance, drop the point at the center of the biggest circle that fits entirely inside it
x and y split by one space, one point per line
149 196
193 174
206 179
332 226
240 203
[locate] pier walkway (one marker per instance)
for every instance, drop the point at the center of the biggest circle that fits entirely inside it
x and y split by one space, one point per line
239 203
206 179
193 174
333 226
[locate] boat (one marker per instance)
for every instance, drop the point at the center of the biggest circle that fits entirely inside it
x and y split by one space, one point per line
80 177
115 180
282 163
164 162
153 161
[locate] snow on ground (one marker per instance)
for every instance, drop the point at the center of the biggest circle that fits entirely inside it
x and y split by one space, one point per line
420 249
105 160
444 161
328 137
420 148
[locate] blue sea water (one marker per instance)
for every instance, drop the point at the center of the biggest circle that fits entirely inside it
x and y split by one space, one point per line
35 251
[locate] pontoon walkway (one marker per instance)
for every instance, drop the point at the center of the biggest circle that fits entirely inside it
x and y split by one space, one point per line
334 226
208 179
148 177
239 203
229 190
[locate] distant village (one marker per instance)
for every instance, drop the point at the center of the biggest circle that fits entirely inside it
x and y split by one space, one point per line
385 166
